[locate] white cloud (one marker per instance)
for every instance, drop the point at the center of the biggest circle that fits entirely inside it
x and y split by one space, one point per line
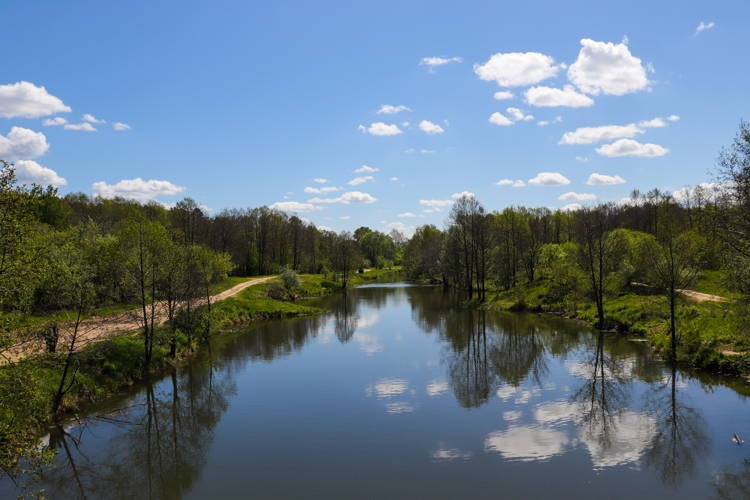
410 150
507 94
120 126
590 135
703 27
607 68
549 179
517 69
294 206
365 168
581 158
504 182
709 188
346 198
346 217
51 122
551 97
394 178
655 123
461 195
436 203
322 190
87 117
360 180
404 124
629 147
137 189
391 110
519 184
572 207
362 128
427 151
322 181
518 115
430 127
499 119
80 126
673 118
446 123
30 172
26 100
381 128
437 61
604 180
625 40
324 228
22 143
571 196
406 214
432 210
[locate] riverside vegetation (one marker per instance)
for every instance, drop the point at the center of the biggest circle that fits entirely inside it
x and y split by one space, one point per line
628 267
74 266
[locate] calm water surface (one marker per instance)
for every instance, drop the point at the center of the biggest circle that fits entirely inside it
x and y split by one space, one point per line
399 393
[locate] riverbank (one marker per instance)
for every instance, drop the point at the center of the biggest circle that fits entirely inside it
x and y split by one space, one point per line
710 332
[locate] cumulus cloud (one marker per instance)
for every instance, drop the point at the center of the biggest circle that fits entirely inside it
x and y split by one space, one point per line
322 190
655 123
629 147
391 110
381 128
604 180
590 135
410 150
461 195
430 127
80 126
51 122
324 228
673 118
517 114
394 178
22 143
517 69
510 182
499 119
607 68
294 206
436 203
551 97
432 62
360 180
406 214
571 196
549 179
137 189
120 126
572 207
346 217
709 189
26 100
507 94
427 151
322 181
703 27
365 168
88 118
30 172
581 158
346 198
547 122
432 210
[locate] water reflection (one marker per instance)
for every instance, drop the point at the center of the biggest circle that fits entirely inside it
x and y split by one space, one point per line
155 449
680 443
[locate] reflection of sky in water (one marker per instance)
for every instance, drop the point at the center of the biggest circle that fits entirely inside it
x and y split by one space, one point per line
444 453
387 388
530 442
399 408
512 415
368 344
437 387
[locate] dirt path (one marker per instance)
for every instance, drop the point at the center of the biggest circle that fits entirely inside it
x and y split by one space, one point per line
93 329
700 297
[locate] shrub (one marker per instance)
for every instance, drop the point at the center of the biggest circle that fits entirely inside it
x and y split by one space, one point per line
290 278
277 292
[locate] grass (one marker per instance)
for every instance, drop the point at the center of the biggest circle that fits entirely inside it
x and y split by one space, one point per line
705 330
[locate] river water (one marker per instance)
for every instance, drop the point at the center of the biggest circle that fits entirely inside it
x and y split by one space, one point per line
397 392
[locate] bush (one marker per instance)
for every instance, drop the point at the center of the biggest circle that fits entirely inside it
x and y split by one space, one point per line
290 278
277 292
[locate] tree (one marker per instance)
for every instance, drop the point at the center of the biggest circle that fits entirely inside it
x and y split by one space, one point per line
344 256
600 251
210 269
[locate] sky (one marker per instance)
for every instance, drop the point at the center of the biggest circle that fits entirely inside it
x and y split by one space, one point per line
378 114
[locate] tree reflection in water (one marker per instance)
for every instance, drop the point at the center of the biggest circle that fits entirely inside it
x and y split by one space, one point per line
159 449
733 482
603 396
468 372
680 441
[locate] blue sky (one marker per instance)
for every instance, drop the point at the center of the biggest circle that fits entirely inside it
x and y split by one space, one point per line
241 104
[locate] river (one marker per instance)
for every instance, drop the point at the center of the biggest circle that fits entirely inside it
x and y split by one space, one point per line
398 392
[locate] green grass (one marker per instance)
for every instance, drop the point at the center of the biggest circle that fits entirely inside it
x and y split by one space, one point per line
710 282
252 304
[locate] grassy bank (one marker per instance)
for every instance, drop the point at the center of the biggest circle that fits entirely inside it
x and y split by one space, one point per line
711 335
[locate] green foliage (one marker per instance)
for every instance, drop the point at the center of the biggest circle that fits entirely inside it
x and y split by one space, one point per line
290 278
